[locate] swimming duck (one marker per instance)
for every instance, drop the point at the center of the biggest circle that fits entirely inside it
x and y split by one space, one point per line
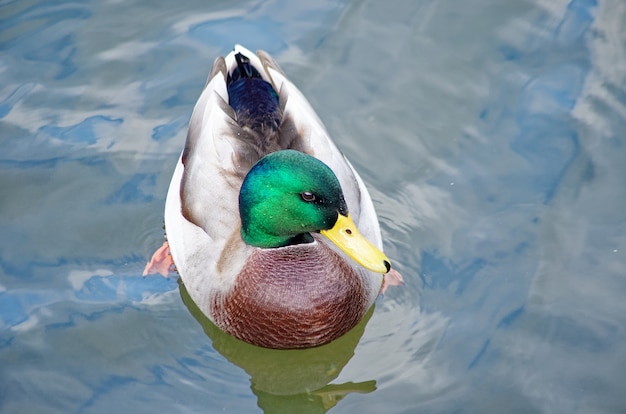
271 229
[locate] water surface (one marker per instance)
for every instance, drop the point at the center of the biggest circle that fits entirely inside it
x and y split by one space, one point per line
490 134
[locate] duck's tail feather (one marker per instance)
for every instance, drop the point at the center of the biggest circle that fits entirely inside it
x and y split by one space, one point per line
254 101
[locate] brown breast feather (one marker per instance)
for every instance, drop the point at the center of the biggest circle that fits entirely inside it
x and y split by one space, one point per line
300 296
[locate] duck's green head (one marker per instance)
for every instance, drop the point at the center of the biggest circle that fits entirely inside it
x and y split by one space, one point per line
289 194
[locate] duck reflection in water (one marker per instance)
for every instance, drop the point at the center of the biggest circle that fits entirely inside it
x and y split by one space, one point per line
292 380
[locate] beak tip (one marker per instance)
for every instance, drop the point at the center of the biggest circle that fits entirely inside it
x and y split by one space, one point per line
387 265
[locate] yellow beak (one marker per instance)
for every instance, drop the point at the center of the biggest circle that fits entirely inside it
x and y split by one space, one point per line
348 238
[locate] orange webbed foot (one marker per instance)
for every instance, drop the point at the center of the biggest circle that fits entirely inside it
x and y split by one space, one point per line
161 262
391 278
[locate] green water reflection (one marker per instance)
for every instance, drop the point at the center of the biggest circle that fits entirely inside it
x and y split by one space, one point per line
290 381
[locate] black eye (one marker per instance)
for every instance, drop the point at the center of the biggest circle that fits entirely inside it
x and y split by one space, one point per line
307 196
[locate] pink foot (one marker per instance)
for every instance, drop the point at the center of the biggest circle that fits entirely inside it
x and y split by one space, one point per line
391 278
161 262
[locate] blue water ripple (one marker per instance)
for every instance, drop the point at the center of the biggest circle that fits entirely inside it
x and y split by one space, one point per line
130 288
86 131
11 310
7 104
262 33
577 21
105 386
479 354
60 51
448 272
169 130
17 306
138 189
547 138
53 12
511 317
44 33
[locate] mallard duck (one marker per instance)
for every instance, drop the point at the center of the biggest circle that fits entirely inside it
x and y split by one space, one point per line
271 229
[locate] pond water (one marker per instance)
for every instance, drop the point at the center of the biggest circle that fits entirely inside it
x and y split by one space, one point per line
491 135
